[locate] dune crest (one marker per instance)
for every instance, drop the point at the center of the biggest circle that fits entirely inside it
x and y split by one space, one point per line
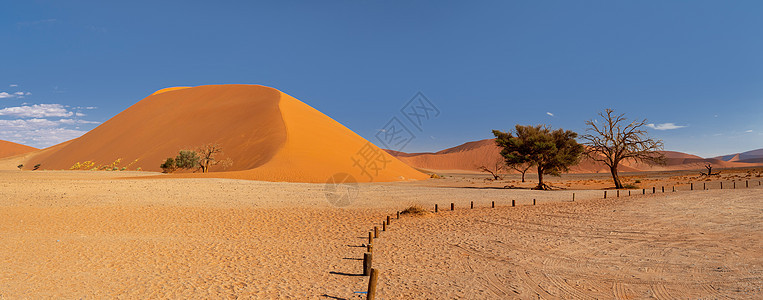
8 149
267 134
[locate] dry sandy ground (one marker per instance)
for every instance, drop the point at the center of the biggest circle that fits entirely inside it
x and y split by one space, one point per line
102 234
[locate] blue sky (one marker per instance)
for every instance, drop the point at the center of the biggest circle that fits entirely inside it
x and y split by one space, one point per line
69 65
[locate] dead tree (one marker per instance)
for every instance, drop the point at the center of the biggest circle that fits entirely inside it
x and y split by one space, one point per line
613 141
495 168
709 171
208 156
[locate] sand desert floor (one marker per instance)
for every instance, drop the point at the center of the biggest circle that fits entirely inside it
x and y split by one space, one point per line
67 234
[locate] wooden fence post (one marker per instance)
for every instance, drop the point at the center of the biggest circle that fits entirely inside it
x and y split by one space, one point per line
513 203
370 248
376 232
533 201
435 208
384 226
573 197
692 186
452 206
721 184
371 294
367 257
388 220
472 204
618 193
493 204
605 194
663 188
398 214
643 191
653 190
370 238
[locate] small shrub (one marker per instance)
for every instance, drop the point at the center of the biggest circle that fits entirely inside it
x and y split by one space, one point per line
169 165
637 181
123 168
414 210
139 169
37 166
20 166
630 186
435 176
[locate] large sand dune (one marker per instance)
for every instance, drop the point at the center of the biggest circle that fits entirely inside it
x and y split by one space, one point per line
267 134
10 149
470 156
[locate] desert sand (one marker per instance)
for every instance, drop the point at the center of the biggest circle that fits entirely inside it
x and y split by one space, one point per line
79 234
267 134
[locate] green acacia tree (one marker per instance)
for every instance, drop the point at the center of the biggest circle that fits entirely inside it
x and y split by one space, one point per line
552 152
187 159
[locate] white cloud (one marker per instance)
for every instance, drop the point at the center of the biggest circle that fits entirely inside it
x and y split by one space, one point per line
36 111
550 114
41 133
16 94
13 85
748 131
664 126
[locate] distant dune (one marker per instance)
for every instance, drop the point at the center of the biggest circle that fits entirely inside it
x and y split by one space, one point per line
470 156
754 156
8 149
268 135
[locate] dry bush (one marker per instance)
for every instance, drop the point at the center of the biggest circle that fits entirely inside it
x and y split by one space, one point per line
414 210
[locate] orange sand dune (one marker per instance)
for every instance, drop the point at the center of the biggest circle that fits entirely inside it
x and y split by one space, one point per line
470 156
268 135
10 149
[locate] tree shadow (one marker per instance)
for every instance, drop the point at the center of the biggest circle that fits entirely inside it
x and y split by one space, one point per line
352 258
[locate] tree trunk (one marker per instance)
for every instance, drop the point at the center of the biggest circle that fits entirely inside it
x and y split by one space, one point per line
615 177
540 179
523 175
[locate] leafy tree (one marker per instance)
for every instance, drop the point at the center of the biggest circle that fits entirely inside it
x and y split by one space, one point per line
552 152
169 165
187 159
615 140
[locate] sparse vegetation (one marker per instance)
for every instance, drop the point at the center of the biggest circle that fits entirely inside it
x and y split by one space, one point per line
36 167
552 152
201 159
88 165
20 166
